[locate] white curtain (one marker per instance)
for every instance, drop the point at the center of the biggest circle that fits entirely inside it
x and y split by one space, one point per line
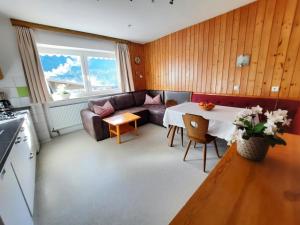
124 65
32 65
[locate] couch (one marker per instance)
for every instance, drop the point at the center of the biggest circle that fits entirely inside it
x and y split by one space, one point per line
132 102
293 106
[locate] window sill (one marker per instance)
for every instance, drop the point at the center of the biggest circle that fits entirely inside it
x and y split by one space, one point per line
79 99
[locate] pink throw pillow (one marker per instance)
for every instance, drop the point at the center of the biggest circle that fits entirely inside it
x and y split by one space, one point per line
152 101
105 110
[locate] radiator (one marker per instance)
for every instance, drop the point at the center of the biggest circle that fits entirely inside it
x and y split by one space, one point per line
65 116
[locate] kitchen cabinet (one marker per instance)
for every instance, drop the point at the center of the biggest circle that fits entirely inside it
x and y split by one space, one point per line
17 176
13 209
24 163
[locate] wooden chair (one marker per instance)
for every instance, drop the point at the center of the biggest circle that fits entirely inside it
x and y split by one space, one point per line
170 103
197 127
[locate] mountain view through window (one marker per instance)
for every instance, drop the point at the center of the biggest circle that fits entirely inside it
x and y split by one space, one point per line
82 73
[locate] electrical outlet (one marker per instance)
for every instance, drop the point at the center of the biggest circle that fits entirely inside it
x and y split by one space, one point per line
236 87
275 88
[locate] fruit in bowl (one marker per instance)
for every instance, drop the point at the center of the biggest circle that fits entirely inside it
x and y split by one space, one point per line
207 106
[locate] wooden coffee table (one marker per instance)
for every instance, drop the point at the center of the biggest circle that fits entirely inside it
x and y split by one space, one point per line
120 124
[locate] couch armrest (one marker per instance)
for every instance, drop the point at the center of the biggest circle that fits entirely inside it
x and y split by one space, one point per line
94 125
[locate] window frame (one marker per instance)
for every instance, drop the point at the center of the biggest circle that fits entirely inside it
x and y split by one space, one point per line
83 54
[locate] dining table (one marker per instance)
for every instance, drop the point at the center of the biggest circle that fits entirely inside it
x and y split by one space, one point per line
221 119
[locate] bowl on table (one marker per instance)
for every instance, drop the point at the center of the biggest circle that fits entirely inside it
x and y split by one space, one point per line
206 106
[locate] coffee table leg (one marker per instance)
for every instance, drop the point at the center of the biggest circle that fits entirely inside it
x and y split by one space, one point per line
109 128
118 135
135 128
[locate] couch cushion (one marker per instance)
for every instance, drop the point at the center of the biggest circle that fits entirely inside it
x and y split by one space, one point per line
153 93
178 96
152 101
100 102
131 110
156 113
140 111
105 110
139 97
123 101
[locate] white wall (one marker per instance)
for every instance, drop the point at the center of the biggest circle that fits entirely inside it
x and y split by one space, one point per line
11 65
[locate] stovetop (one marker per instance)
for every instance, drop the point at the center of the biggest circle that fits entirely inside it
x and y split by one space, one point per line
8 115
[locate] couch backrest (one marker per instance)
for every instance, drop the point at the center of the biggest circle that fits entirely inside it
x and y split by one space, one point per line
243 102
123 101
296 123
178 96
100 102
139 97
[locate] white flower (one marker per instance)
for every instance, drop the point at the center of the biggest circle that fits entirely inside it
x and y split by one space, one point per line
271 128
280 112
237 135
275 117
257 110
287 122
239 123
245 113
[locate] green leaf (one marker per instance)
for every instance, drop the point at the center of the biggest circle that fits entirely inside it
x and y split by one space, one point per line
259 128
275 140
247 123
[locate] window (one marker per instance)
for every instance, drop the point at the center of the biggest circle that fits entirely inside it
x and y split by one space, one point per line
72 73
102 73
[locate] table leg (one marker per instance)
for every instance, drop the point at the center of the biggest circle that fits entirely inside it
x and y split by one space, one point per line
135 127
109 128
171 136
118 135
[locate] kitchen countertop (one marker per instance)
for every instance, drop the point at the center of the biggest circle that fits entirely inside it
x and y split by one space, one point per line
9 131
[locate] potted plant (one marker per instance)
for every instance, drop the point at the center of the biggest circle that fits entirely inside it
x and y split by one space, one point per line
65 95
256 131
62 93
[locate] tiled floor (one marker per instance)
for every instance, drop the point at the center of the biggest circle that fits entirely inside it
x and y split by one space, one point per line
140 182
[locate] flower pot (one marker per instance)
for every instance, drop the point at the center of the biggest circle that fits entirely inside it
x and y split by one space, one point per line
254 149
65 96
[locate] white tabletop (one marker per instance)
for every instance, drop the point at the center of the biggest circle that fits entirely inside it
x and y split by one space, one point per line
221 118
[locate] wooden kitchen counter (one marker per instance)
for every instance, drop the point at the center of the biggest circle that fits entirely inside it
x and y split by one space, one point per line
239 191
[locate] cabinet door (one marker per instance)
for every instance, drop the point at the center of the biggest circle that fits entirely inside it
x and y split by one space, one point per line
13 209
24 162
33 135
29 134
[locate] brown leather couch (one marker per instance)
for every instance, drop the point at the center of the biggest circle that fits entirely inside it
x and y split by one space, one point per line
128 102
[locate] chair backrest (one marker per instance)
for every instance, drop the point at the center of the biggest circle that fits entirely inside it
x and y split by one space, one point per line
196 127
178 96
170 103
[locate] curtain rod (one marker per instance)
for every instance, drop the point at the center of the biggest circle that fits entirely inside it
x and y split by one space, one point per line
22 23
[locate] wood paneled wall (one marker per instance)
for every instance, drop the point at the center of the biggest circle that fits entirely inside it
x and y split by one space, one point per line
202 58
138 70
